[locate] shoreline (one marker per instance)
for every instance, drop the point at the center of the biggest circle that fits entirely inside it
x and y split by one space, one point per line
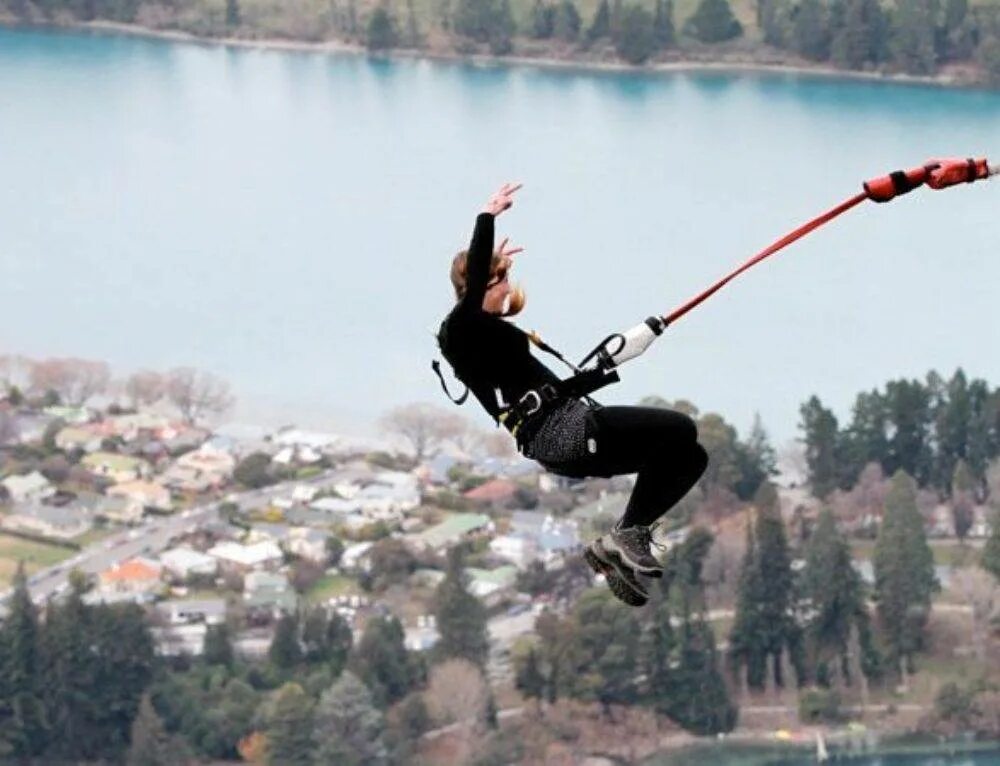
946 79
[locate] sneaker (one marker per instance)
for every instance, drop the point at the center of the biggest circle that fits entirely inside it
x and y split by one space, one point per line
631 547
621 581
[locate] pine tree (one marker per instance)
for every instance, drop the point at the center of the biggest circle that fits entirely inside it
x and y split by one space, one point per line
713 22
990 560
232 13
149 743
381 661
811 31
862 40
913 29
285 651
348 727
764 625
22 712
636 40
289 728
567 22
904 573
823 448
836 598
757 461
529 679
381 33
600 27
461 617
663 24
218 646
962 499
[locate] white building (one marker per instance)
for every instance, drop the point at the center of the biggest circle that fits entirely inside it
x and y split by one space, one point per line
184 562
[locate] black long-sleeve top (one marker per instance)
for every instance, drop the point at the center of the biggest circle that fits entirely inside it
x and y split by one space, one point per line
489 354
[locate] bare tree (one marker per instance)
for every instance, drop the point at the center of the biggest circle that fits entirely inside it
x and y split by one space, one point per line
425 427
8 428
980 591
145 387
196 393
458 694
75 380
15 370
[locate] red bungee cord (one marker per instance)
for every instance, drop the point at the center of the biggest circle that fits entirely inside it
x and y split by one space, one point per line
937 174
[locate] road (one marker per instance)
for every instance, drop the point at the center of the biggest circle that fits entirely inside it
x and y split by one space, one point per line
151 538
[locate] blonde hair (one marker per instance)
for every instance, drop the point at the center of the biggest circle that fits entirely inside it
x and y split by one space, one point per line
498 264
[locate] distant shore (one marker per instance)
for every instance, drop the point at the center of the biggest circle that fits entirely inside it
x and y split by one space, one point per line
730 63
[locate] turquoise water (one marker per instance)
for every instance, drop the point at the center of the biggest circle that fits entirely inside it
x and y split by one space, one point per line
723 756
286 220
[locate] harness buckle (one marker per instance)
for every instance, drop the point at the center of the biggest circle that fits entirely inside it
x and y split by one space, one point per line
535 406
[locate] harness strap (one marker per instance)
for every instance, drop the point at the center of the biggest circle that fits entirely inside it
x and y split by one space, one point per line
436 366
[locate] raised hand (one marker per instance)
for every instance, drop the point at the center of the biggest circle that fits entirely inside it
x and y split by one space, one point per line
502 199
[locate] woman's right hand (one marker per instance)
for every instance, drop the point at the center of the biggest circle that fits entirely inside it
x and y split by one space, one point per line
502 199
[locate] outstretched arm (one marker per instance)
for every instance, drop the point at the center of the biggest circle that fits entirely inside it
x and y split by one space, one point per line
481 247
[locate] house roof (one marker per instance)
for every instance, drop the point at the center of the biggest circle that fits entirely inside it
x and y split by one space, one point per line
26 483
133 570
186 558
113 461
247 555
456 525
493 490
55 516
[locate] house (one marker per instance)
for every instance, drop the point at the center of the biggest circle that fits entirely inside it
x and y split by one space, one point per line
47 520
209 461
304 493
28 488
308 544
118 468
181 478
73 415
119 509
297 455
262 531
552 537
243 558
491 584
133 576
518 549
423 635
143 494
453 529
211 611
75 438
269 592
355 557
183 563
336 506
436 470
493 491
180 640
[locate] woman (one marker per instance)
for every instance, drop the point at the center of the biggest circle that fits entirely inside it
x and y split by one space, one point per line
551 422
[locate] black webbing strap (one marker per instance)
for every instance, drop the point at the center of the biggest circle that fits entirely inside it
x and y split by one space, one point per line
436 366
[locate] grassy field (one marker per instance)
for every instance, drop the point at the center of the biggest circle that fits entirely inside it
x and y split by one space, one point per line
34 555
329 586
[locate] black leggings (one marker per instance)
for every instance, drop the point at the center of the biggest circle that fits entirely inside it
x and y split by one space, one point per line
659 445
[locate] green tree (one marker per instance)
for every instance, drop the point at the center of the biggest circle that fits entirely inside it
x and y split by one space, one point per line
567 22
529 679
381 33
663 24
904 573
600 26
348 726
381 661
285 651
764 625
461 617
912 44
822 441
713 22
289 728
636 40
774 17
326 638
232 13
861 40
811 30
253 471
149 743
543 20
990 559
836 598
988 57
218 646
962 499
756 460
22 711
